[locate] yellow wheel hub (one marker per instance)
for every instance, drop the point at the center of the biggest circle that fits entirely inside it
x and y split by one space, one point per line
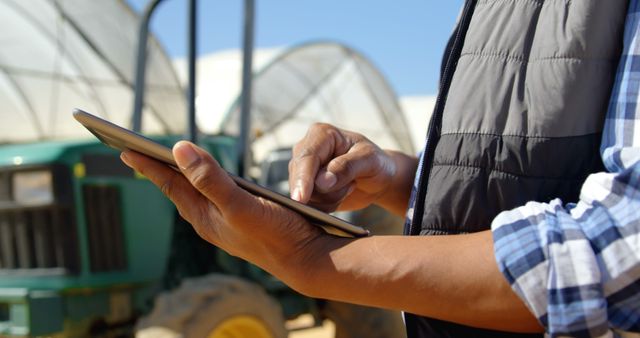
241 327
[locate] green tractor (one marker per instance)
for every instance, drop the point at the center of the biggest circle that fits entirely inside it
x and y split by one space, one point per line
89 248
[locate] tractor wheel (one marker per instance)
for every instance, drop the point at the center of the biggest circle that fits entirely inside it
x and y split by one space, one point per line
355 321
214 306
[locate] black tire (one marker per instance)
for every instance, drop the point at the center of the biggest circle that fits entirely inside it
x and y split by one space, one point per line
201 305
355 321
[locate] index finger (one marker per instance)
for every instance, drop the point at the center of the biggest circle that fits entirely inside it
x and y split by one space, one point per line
321 143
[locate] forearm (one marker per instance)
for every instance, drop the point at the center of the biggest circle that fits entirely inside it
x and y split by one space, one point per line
396 197
454 278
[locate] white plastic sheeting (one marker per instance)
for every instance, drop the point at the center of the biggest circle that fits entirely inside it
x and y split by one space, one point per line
59 54
219 83
295 87
322 82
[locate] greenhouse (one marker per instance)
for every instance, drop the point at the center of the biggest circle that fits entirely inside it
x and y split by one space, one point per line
295 87
53 61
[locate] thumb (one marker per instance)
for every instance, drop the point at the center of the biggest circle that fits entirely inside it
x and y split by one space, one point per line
357 163
206 175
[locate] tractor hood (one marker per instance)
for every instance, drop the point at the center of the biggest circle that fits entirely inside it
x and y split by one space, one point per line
28 154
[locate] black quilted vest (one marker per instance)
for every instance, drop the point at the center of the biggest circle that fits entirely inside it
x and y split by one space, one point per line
524 90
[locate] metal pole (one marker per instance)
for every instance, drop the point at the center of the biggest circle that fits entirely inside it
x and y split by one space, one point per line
192 131
141 61
244 146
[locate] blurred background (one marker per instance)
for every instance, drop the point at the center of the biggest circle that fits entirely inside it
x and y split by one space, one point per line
90 248
404 39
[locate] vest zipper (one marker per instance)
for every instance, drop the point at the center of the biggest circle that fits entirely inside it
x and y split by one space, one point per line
435 125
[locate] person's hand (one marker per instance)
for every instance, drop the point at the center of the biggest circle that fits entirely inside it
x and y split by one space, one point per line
227 216
333 169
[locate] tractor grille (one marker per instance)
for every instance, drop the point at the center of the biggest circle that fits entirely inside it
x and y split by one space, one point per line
5 187
38 238
104 227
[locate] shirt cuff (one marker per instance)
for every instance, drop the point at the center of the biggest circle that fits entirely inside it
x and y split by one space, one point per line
521 257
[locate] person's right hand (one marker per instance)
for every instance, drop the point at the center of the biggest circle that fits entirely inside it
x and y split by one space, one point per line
333 169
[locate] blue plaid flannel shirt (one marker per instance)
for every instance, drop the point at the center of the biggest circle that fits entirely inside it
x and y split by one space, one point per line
577 266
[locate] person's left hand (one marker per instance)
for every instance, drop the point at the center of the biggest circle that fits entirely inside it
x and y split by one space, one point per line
247 226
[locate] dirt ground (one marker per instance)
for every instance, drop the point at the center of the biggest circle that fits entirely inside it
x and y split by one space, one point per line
327 330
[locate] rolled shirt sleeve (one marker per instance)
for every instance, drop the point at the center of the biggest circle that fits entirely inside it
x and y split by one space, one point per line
577 267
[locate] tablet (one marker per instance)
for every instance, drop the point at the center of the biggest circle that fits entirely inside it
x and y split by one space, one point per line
122 139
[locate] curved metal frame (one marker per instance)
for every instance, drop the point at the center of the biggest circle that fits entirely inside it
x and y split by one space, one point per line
141 62
243 147
247 47
355 54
